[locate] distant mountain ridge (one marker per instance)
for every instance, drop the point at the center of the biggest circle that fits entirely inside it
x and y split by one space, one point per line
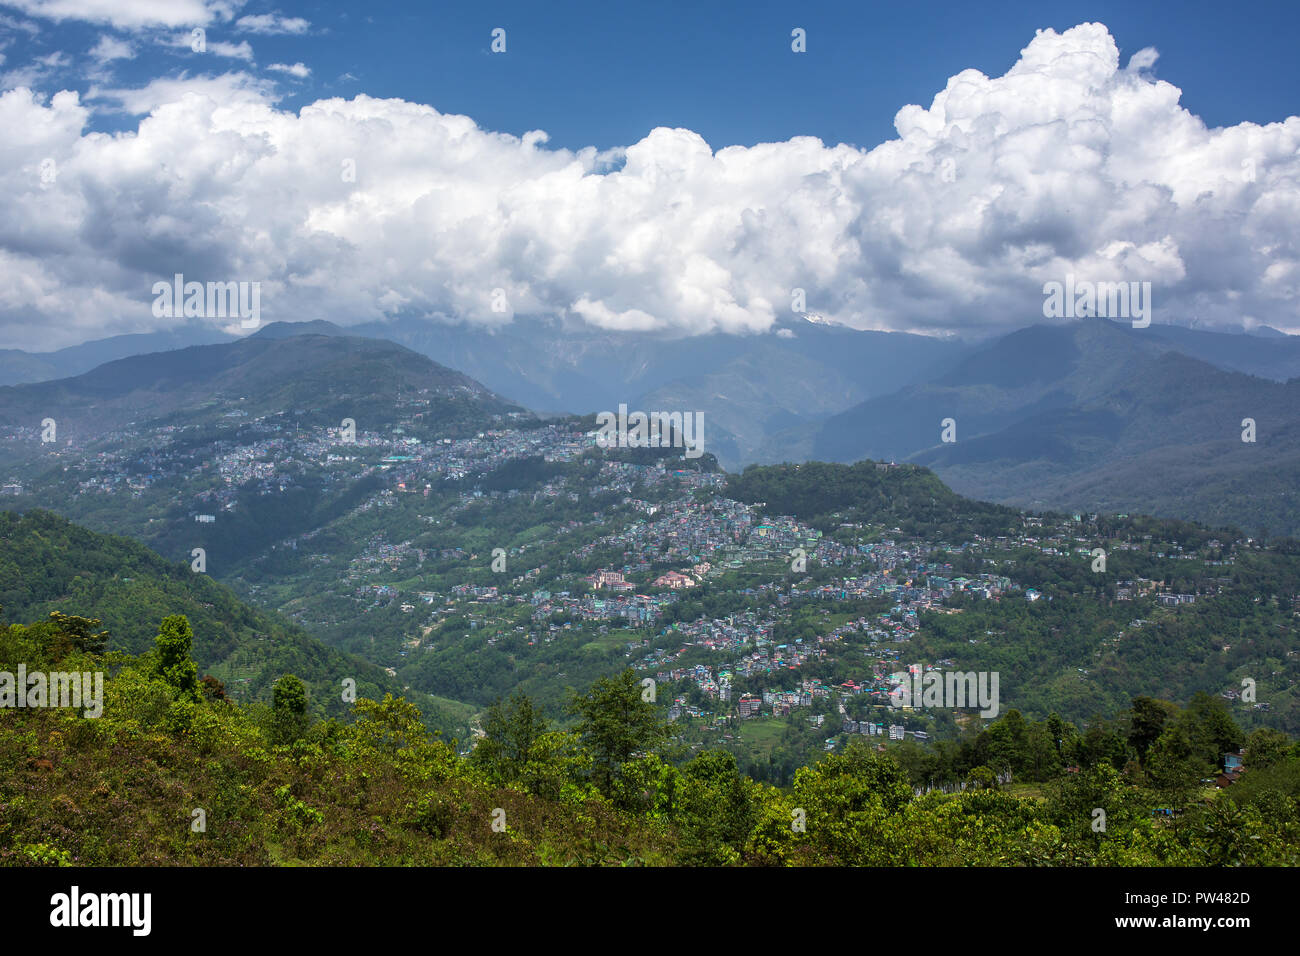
760 393
747 386
1042 415
1088 415
18 367
328 376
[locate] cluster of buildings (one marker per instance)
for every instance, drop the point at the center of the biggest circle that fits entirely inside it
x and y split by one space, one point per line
624 605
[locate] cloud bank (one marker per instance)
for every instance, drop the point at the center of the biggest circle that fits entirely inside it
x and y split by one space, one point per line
354 209
131 14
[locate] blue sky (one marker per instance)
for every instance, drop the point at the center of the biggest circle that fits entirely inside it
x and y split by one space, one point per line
604 74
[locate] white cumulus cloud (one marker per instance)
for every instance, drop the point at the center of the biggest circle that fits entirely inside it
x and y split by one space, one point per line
354 208
270 23
209 46
293 69
111 48
131 14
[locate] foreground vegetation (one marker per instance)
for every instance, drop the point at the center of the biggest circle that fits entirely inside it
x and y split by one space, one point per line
173 772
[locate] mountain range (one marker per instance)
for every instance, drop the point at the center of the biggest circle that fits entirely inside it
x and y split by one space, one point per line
19 368
1090 415
1087 415
319 379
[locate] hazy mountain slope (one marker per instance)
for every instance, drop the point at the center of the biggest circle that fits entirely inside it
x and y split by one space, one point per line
1090 415
1267 353
782 381
326 377
748 387
18 367
1169 443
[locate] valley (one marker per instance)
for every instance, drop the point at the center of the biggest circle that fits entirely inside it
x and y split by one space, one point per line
467 549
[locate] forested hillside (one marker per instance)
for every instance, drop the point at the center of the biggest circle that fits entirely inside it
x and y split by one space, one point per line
173 772
48 565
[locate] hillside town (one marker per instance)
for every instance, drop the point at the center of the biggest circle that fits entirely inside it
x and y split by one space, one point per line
637 541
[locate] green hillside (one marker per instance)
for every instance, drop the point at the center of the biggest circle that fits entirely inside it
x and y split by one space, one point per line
316 379
172 774
908 497
48 564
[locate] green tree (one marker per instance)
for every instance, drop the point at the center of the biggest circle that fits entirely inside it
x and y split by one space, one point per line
1056 732
556 763
1147 718
615 722
71 633
1173 765
847 799
1074 798
288 709
173 663
982 778
1210 728
511 732
715 809
1101 744
1265 747
392 725
1008 743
